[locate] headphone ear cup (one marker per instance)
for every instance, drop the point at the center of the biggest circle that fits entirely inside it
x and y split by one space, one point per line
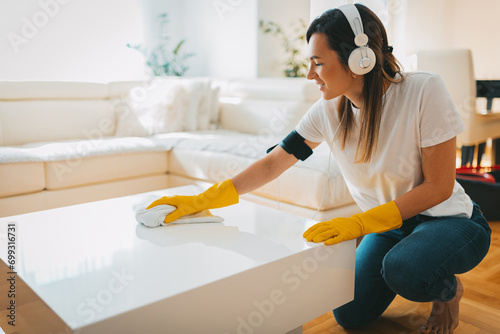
362 54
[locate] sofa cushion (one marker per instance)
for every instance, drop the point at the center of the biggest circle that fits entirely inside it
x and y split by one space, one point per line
309 187
21 178
220 155
206 165
35 121
52 90
43 200
81 162
1 132
15 205
263 117
97 169
214 155
297 89
221 140
120 89
265 105
300 185
79 149
208 115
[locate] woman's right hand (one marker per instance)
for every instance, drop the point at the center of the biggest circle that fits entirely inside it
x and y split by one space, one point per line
219 195
185 206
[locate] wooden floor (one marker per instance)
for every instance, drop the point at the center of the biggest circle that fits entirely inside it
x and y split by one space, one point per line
479 309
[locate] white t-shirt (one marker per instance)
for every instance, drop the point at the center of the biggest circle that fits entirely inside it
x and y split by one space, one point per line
417 112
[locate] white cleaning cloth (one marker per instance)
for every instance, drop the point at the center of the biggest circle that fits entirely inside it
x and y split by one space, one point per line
155 216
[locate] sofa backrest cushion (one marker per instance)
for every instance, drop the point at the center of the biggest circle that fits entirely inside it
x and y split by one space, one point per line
38 120
51 111
37 111
265 105
260 116
271 89
52 90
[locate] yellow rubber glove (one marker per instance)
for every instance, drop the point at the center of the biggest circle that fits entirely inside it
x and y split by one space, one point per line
382 218
219 195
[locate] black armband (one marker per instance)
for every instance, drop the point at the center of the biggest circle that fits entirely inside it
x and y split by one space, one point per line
295 144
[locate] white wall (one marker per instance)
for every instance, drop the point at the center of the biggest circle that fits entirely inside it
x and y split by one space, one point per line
286 13
175 26
429 25
476 25
85 39
224 37
319 6
444 24
224 34
70 40
221 33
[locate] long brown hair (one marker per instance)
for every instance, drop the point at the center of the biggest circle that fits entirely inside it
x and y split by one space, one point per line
340 36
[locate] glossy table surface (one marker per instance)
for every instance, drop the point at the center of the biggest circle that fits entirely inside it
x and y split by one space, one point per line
93 263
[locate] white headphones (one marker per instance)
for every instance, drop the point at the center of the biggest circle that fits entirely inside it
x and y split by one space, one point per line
362 59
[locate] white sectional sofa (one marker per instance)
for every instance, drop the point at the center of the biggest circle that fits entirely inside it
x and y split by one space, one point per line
65 143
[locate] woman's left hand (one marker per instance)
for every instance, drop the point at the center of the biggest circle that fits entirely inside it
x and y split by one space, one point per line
382 218
333 231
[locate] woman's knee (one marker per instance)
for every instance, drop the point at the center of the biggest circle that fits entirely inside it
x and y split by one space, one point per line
346 319
402 276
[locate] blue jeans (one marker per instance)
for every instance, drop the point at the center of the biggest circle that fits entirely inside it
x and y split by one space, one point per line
417 261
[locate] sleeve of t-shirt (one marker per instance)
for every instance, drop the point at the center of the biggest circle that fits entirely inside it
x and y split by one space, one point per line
310 126
439 118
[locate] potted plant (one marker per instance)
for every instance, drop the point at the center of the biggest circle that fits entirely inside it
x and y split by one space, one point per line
296 64
161 59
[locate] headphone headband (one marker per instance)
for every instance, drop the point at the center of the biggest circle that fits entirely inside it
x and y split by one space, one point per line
362 59
352 15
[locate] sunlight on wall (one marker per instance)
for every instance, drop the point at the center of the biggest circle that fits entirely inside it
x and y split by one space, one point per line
222 34
84 40
225 43
271 53
379 7
70 40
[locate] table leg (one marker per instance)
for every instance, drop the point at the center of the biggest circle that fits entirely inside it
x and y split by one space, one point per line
297 330
467 155
480 151
495 152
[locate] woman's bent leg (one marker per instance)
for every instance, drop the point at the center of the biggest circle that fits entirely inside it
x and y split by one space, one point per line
372 296
423 265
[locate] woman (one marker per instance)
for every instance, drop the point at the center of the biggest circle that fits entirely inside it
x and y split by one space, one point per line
394 137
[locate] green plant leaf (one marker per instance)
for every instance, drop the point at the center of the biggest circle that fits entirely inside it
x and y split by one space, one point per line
162 59
296 64
177 48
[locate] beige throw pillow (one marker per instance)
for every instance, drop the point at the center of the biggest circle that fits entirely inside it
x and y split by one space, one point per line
157 111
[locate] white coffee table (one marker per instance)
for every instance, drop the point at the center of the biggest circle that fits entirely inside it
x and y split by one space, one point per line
91 268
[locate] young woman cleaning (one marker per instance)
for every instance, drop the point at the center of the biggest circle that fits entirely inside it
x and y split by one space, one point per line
393 135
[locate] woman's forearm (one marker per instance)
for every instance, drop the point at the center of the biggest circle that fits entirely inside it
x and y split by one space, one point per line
421 198
263 171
